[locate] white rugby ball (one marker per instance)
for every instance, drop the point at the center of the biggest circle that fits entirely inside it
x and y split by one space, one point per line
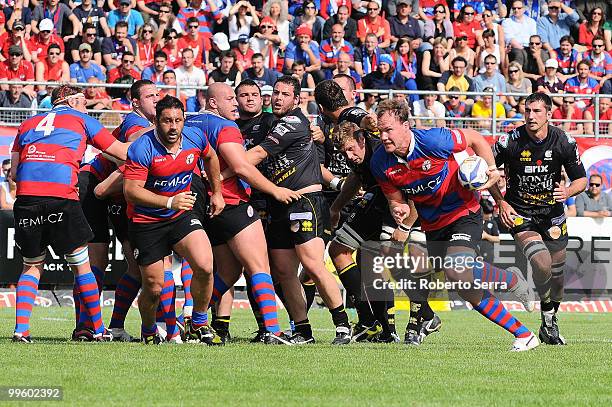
473 172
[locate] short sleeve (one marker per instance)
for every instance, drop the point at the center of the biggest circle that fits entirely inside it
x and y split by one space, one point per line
97 134
281 136
571 160
230 134
499 149
442 142
138 161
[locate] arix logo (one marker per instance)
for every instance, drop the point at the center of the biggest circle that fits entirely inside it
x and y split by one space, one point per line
525 155
536 169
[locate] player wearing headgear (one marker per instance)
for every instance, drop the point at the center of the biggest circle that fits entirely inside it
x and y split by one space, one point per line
157 183
533 156
237 235
46 154
420 165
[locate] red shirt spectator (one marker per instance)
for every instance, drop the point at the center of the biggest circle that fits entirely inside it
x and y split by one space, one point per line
55 72
39 44
330 7
24 71
119 72
243 60
374 23
468 30
561 113
198 45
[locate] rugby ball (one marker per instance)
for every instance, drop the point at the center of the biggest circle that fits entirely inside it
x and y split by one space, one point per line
473 172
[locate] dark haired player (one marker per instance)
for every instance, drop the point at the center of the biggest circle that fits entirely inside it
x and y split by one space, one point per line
533 156
157 184
46 155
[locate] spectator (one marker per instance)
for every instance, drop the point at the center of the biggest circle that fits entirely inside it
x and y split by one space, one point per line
456 77
489 48
242 16
550 83
328 7
518 28
456 108
155 72
17 12
582 84
532 59
89 37
570 115
384 77
606 89
88 12
591 28
477 5
433 63
145 46
555 25
197 42
367 56
517 83
605 117
125 69
404 25
267 43
261 75
188 75
52 68
57 13
305 49
169 79
439 27
8 190
206 14
601 61
427 9
368 103
592 203
307 103
18 69
243 53
374 24
165 21
228 72
489 23
85 68
15 97
517 113
429 107
148 8
115 46
344 68
567 57
350 26
126 13
405 65
41 41
15 37
491 78
484 109
96 97
466 26
171 49
266 98
331 48
312 20
461 49
277 11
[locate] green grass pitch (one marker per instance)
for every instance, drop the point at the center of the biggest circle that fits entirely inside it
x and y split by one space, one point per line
467 363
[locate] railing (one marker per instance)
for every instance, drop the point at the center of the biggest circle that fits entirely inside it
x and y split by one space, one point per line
112 118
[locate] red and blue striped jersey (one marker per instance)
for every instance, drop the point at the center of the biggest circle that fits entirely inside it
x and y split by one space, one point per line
220 130
101 166
590 87
600 67
428 176
164 173
329 54
51 147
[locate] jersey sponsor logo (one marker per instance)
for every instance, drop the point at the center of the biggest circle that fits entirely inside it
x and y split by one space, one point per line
250 211
306 226
195 222
114 209
31 149
426 165
536 169
184 180
423 187
273 139
291 119
159 159
525 155
136 253
281 130
53 218
300 216
548 155
256 127
461 236
558 220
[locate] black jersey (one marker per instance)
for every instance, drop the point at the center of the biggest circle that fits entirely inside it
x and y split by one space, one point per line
293 161
363 170
255 130
533 169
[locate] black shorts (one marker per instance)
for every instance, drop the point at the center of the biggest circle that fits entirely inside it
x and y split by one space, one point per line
47 221
260 202
370 214
94 209
118 218
553 229
152 242
298 222
200 207
464 232
231 221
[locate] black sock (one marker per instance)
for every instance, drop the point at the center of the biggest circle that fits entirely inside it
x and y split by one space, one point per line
221 323
391 315
426 311
339 316
350 276
543 287
556 305
379 309
303 328
309 291
547 306
416 319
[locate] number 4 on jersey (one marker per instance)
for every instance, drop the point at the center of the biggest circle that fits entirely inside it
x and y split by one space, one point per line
46 124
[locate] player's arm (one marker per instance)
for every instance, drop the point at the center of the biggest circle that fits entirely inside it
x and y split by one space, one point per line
404 213
575 172
136 193
481 147
348 190
213 173
14 165
112 185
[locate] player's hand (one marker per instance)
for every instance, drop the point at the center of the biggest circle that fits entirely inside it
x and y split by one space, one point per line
369 123
317 134
183 201
334 218
285 195
217 203
560 193
507 214
400 212
399 235
494 175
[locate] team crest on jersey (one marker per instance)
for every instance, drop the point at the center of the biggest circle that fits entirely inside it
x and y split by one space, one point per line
256 127
32 149
525 155
548 155
426 165
295 226
503 140
190 158
291 119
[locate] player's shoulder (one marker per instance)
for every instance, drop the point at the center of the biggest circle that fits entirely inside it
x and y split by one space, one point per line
134 119
195 135
143 146
295 118
560 136
210 121
380 161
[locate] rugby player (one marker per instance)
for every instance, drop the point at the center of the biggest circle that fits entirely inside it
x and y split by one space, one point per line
46 155
533 156
157 183
237 235
421 165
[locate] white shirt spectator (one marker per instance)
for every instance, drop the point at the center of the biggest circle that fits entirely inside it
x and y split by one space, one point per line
436 111
519 30
194 78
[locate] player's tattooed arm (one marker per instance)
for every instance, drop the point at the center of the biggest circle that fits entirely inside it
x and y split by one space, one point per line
213 173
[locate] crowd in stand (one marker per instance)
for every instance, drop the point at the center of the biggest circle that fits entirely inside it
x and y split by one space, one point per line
489 46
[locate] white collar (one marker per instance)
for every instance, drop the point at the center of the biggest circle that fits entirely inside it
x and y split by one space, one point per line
174 155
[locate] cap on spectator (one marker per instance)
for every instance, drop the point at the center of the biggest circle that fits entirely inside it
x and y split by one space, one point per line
266 90
18 24
488 89
45 25
125 2
221 41
303 30
15 49
385 58
551 63
406 2
243 38
267 20
85 46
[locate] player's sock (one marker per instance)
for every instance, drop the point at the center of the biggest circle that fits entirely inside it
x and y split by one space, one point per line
350 277
83 315
263 292
493 310
199 319
219 288
379 310
303 328
339 316
489 273
391 316
186 276
416 318
426 311
167 302
544 290
221 323
125 294
77 304
148 330
310 289
27 287
254 307
557 284
90 299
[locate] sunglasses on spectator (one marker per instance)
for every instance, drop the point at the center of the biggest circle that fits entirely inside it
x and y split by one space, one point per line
54 53
570 102
454 97
596 13
440 11
490 63
553 8
18 29
513 70
517 8
172 37
462 38
147 31
46 31
128 61
487 15
265 26
164 11
311 7
593 184
91 34
469 14
598 45
372 8
15 54
535 43
194 26
85 51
